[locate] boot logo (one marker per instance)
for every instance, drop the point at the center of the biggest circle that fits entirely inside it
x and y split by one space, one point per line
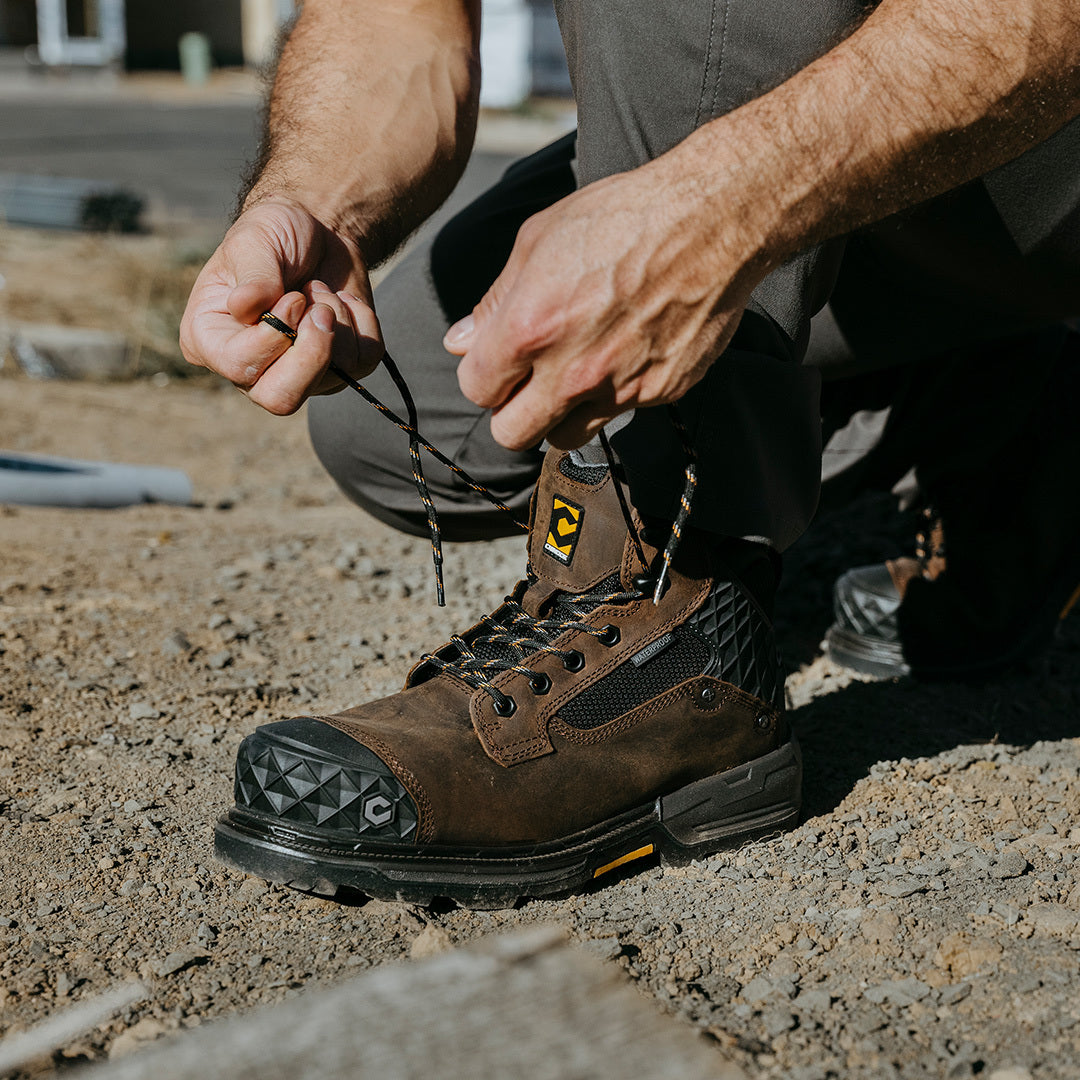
563 532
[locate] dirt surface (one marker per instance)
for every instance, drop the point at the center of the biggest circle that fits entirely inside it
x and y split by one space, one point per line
923 921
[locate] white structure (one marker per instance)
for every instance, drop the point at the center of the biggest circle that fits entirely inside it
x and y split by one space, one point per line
99 42
262 21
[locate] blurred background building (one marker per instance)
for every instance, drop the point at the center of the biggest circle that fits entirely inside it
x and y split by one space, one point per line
522 53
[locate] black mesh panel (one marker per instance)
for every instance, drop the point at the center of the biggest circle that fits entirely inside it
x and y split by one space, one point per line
582 474
629 686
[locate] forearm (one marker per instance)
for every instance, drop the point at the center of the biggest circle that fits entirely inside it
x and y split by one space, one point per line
924 96
372 115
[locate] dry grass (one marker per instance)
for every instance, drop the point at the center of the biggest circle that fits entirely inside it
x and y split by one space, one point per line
136 285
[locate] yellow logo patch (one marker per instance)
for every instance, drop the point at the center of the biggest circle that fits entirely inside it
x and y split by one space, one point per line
564 529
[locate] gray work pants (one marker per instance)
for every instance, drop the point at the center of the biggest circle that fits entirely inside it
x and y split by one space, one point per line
995 259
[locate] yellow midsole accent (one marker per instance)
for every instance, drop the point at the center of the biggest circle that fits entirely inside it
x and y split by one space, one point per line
639 854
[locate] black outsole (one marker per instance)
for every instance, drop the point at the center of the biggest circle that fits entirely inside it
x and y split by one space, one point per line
865 653
871 655
753 800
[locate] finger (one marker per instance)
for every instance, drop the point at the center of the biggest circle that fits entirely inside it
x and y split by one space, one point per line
527 417
367 336
258 347
579 426
267 251
508 329
285 385
344 353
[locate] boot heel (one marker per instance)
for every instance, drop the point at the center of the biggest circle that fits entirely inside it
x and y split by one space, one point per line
750 800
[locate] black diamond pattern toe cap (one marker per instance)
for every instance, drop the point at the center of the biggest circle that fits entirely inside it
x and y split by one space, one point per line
310 774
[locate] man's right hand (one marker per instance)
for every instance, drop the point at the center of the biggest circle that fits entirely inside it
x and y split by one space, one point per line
280 258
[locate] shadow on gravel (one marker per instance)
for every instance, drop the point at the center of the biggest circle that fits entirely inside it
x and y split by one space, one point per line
843 734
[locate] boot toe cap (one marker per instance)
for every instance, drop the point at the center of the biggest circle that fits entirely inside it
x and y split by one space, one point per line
308 773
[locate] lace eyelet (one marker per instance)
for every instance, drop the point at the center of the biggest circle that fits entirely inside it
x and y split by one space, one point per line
645 584
540 685
573 660
505 706
609 635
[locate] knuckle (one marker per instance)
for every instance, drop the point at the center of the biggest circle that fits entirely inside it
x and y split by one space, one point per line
530 230
278 401
531 328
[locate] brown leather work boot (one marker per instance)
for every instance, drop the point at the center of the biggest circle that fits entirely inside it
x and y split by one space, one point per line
576 729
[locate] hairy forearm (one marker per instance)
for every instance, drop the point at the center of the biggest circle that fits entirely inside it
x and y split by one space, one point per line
372 115
921 98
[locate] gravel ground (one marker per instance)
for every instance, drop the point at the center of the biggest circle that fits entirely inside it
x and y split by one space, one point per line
923 921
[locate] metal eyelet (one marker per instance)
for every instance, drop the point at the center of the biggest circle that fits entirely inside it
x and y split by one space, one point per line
505 706
763 721
573 660
708 694
609 635
645 584
541 684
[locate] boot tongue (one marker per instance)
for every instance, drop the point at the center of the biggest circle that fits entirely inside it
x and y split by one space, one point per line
577 536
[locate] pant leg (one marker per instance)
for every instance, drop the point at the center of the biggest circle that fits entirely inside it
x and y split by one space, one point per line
436 284
643 83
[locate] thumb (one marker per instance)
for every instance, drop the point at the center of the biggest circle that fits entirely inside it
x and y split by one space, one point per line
257 252
260 284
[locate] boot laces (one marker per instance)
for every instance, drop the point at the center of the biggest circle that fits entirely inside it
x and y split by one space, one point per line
929 539
511 636
658 573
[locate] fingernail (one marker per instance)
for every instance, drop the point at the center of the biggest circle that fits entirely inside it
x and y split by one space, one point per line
319 286
348 297
323 318
460 332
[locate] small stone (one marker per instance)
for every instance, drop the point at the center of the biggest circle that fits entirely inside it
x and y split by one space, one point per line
141 710
720 989
177 961
1009 864
814 1001
251 890
1010 1072
176 644
63 984
1052 919
146 1030
430 941
901 992
607 948
950 995
7 922
778 1020
218 660
963 955
904 887
762 987
134 806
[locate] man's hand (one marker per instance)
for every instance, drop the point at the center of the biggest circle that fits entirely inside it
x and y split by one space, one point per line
279 258
623 293
619 296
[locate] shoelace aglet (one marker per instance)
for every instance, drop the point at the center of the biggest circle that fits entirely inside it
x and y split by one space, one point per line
661 580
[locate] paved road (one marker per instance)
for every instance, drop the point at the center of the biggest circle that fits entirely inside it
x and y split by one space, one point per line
184 159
